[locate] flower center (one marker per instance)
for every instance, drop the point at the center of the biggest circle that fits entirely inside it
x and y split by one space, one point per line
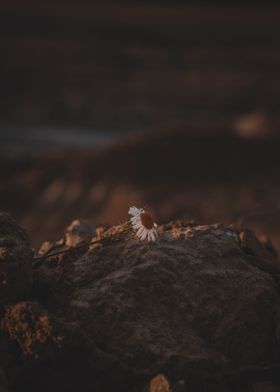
146 220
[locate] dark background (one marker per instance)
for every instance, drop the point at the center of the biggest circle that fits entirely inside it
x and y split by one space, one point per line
122 66
172 105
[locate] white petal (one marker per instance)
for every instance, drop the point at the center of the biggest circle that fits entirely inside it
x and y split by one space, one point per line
152 235
144 235
133 211
155 225
137 226
135 219
140 231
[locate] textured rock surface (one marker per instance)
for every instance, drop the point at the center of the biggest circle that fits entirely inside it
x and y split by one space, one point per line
15 262
199 303
197 310
30 325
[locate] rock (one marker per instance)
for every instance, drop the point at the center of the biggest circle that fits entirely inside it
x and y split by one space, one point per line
189 312
15 262
51 354
197 304
80 231
252 245
10 229
37 332
159 384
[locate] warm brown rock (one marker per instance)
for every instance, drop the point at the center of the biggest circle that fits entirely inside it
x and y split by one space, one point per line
159 384
15 262
79 231
252 245
195 305
189 313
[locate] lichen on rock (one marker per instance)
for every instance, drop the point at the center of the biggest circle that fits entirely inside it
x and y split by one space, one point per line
36 331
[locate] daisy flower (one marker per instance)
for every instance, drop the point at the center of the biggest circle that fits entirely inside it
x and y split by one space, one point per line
143 223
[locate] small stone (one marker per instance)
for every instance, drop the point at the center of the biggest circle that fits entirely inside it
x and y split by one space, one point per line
159 384
80 231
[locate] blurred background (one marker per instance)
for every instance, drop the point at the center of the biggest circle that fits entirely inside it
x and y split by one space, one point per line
170 105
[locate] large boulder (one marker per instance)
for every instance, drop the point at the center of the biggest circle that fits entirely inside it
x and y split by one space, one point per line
199 305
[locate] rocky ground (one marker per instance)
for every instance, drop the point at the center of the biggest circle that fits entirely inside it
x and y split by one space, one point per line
200 79
198 310
177 174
